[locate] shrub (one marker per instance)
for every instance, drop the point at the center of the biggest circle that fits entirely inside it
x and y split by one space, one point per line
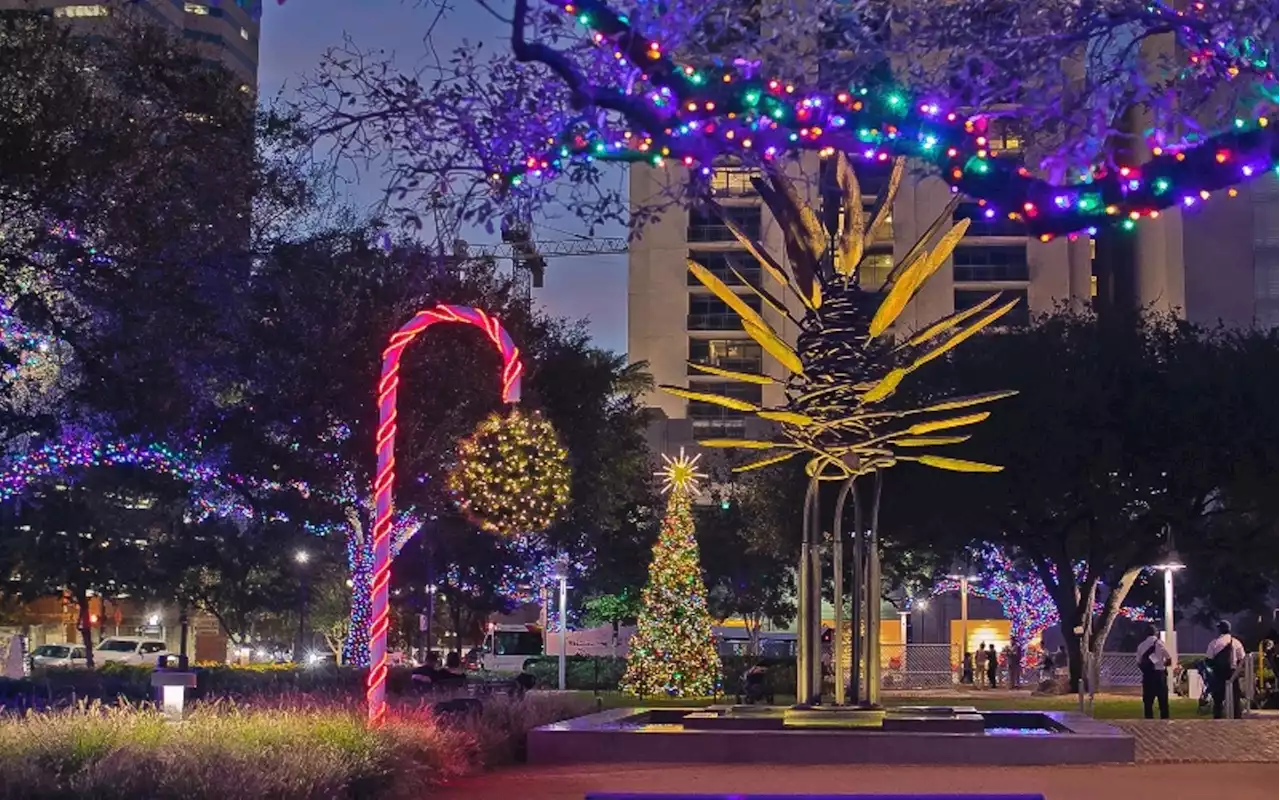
288 750
603 674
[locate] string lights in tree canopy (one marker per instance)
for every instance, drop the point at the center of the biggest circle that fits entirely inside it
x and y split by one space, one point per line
695 117
512 475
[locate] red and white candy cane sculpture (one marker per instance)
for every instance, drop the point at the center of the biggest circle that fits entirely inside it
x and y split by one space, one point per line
386 475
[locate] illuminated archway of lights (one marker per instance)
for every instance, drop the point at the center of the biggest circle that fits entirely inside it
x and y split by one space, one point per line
384 502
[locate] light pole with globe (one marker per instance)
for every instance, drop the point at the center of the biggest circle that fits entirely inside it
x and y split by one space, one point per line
1169 565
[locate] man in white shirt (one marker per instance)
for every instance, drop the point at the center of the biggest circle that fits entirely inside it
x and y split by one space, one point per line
1226 655
1154 661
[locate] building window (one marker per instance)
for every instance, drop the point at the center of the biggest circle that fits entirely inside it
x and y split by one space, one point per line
722 263
1003 137
706 225
733 181
1017 316
202 36
709 418
82 11
981 264
709 313
196 8
739 355
980 224
874 271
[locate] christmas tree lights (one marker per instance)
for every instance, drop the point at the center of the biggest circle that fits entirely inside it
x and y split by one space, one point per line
512 475
673 651
695 116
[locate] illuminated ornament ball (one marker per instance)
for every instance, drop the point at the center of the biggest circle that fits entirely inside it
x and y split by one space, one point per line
512 475
680 474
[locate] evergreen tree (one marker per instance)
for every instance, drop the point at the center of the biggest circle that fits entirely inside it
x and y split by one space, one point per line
673 651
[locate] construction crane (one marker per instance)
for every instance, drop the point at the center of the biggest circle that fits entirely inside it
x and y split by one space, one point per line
530 257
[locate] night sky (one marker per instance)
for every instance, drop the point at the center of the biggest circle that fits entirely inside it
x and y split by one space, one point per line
296 34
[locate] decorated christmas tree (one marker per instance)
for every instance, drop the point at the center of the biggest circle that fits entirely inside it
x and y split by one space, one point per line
673 651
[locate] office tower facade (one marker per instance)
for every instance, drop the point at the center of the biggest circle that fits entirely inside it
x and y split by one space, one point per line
225 31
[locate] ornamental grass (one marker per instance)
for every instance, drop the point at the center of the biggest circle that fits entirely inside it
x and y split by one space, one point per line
286 748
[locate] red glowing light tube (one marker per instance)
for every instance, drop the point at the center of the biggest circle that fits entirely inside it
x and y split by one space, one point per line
384 480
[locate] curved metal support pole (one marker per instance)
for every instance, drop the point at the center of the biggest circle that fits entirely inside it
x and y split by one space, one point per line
837 563
805 644
873 596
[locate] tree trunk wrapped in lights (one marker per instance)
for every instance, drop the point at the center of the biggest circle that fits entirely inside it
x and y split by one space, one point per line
672 651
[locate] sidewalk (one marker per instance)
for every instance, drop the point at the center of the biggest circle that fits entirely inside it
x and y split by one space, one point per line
1164 781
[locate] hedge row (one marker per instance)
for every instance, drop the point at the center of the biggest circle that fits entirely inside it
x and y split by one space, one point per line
603 673
113 682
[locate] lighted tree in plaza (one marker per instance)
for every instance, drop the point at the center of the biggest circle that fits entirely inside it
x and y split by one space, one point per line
673 651
1022 596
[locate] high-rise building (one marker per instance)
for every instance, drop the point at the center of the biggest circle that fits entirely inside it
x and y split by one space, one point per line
225 31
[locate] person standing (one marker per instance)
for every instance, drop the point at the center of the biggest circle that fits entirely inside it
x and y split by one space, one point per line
966 668
993 664
980 663
1015 666
1154 662
1225 655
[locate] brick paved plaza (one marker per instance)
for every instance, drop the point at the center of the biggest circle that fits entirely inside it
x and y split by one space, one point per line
1157 781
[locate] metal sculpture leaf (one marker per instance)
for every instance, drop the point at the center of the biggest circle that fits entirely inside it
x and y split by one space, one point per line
965 334
726 295
745 377
703 397
743 444
851 244
774 346
944 424
928 441
786 417
910 281
947 323
957 464
764 462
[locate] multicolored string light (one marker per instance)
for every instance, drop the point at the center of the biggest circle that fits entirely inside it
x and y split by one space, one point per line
384 481
706 114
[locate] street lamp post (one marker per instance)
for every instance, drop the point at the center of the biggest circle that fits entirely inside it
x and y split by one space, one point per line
431 616
301 558
562 580
1170 565
964 580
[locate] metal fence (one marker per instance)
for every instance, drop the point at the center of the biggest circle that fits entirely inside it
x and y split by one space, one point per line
917 666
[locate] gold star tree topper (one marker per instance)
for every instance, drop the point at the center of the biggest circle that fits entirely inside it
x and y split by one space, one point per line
680 474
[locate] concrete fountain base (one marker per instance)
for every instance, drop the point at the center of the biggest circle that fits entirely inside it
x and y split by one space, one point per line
912 735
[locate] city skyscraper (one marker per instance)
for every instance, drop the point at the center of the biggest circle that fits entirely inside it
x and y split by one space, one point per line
225 31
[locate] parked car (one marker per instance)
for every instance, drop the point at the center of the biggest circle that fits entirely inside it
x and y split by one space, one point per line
65 656
130 650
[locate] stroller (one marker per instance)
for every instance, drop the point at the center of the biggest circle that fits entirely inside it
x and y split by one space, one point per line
756 687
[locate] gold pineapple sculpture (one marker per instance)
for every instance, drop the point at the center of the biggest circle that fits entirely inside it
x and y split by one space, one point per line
845 364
